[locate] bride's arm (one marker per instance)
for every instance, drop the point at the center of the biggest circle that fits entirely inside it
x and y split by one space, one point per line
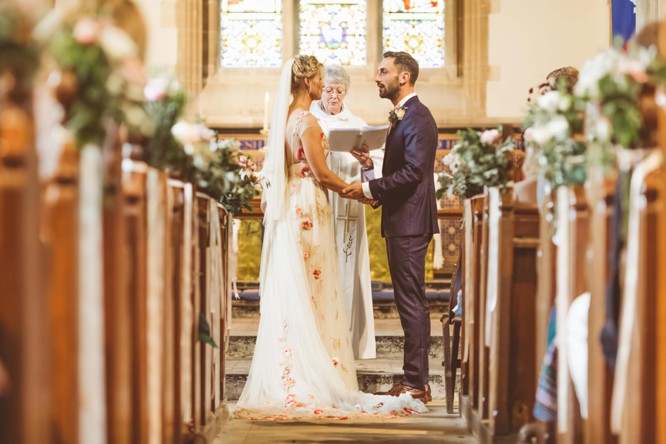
314 153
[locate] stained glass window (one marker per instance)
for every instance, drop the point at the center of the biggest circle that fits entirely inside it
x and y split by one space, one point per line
334 31
417 27
251 34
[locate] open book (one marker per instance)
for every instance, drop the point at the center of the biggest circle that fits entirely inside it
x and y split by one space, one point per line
346 139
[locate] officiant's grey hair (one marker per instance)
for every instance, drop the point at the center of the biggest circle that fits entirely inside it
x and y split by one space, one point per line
336 74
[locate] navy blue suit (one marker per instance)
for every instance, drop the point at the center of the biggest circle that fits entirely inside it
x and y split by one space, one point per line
406 192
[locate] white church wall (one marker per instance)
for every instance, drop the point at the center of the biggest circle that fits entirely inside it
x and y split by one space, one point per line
160 18
528 39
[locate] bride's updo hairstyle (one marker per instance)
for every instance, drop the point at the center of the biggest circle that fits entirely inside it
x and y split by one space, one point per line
304 67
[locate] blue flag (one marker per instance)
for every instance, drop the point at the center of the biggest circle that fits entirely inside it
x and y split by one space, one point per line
624 19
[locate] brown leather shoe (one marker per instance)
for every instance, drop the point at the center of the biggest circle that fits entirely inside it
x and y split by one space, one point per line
428 393
399 389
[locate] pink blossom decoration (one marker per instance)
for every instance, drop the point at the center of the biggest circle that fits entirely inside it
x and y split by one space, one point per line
87 31
336 361
304 171
306 225
316 273
306 255
489 137
300 153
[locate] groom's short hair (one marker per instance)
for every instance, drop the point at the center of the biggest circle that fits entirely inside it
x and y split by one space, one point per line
405 62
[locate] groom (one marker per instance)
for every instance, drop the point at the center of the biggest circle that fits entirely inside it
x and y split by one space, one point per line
406 192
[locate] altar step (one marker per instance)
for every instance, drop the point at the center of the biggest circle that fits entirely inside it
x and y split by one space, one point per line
374 375
388 347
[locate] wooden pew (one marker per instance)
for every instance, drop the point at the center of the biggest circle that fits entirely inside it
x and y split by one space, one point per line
513 348
117 302
25 411
600 376
505 337
635 402
573 233
135 214
473 213
660 260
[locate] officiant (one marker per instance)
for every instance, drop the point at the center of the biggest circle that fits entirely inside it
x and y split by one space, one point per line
349 215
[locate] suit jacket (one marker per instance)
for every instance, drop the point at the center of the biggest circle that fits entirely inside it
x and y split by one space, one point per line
407 189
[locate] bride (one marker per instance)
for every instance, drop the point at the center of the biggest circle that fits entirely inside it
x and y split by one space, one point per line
303 364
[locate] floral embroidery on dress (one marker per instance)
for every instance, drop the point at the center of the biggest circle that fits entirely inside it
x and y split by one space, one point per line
298 211
304 171
300 153
306 255
316 273
336 361
306 225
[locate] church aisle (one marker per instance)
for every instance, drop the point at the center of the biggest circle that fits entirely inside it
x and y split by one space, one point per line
435 426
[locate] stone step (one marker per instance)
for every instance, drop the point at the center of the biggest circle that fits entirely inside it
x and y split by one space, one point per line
374 375
388 347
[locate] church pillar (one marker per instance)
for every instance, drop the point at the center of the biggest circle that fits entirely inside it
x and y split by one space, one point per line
189 65
474 46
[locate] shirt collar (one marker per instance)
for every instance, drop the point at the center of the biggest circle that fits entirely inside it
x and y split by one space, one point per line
405 99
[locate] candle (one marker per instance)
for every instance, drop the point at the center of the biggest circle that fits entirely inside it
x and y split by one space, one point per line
266 97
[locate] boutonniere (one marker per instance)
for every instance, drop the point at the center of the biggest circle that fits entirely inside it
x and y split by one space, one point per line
396 115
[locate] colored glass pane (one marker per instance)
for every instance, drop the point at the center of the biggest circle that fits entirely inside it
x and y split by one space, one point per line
417 27
251 33
334 31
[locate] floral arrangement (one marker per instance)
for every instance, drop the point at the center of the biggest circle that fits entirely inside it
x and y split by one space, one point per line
552 143
613 82
20 55
478 160
219 169
99 63
165 101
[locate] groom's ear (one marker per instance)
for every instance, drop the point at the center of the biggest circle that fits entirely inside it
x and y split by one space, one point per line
404 77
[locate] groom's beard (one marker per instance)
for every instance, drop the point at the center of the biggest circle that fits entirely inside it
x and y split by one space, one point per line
389 91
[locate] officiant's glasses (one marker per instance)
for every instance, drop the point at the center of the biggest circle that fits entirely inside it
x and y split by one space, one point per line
337 91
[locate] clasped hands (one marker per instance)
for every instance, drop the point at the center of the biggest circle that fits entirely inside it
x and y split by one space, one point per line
355 191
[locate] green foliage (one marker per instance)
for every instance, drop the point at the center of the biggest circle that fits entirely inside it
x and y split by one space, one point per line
19 53
162 151
92 69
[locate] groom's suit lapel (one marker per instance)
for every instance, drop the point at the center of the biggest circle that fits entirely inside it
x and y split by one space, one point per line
412 101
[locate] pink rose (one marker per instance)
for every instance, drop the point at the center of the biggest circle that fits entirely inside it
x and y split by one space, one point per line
87 31
489 137
300 153
304 171
156 89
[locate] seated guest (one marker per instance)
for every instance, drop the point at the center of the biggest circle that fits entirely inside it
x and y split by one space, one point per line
349 215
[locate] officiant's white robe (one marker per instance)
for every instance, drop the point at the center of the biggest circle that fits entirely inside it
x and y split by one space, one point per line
350 236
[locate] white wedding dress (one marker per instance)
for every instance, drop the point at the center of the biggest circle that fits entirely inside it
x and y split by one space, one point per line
303 365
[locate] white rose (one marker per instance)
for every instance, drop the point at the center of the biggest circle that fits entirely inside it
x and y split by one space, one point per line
549 101
184 134
489 137
602 129
558 127
117 44
541 135
156 89
564 104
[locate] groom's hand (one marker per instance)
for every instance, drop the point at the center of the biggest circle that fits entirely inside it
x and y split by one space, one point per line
354 191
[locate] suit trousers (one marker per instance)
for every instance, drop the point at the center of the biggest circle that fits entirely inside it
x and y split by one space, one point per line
406 257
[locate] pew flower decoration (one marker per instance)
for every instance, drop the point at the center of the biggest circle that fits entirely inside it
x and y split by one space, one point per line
100 79
222 171
613 83
165 102
20 55
478 160
555 151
